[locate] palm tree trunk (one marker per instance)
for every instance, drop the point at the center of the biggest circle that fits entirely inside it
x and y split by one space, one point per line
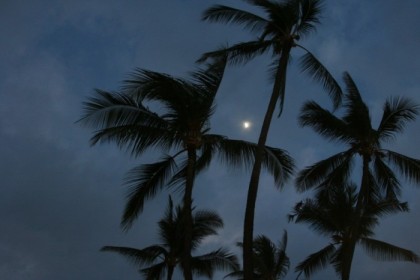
362 200
279 85
348 252
187 212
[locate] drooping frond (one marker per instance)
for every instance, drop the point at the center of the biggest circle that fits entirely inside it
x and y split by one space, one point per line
313 175
311 65
239 53
396 113
279 164
271 261
154 272
316 261
386 207
220 259
383 251
144 182
264 256
318 219
386 178
139 257
324 122
225 14
205 223
338 176
239 153
123 120
409 167
236 153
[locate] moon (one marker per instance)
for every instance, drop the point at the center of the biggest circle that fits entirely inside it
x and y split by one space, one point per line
246 125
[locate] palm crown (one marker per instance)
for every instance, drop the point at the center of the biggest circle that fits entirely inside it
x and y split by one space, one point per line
270 260
354 129
284 24
164 257
333 214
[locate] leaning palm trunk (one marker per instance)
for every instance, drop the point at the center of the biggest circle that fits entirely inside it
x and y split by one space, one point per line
186 262
278 88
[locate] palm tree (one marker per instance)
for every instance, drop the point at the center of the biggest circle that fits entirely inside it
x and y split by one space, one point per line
333 213
270 260
278 33
378 177
181 129
165 257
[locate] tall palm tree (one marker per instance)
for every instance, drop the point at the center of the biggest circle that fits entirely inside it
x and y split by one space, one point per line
333 214
354 128
285 22
270 260
165 257
180 126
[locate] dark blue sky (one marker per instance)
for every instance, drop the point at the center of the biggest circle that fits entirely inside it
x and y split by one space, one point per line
61 200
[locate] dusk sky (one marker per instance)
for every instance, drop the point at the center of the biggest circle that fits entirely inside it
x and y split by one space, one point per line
61 200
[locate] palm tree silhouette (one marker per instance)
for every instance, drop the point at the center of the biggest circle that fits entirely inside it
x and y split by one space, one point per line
270 260
333 213
181 129
165 257
278 33
378 178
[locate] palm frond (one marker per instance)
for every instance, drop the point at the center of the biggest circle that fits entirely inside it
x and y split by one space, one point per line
207 150
220 259
144 182
310 11
137 138
338 176
386 207
357 112
313 175
205 223
383 251
264 255
225 14
138 257
324 122
409 167
236 153
121 119
386 178
154 272
318 218
209 79
396 113
311 65
316 261
279 164
154 86
239 53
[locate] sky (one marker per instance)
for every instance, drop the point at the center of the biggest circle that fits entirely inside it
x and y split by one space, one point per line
61 199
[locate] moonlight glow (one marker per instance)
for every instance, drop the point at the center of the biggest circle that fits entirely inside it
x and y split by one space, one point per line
246 125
